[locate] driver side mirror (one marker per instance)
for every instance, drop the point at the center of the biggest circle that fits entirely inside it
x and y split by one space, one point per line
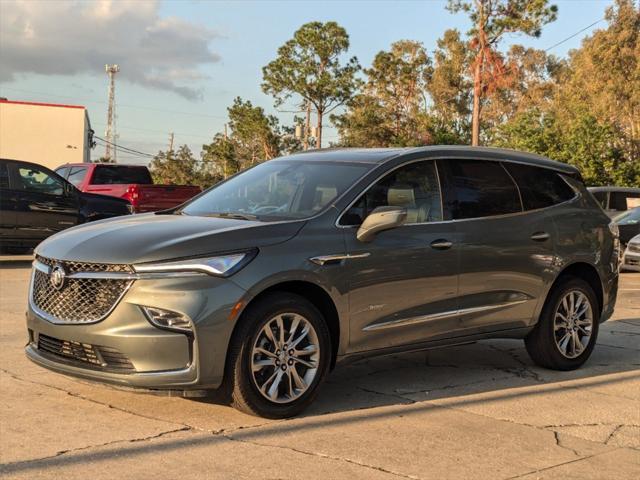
69 189
382 218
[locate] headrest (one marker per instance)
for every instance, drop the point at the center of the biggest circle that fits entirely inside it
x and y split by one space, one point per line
401 196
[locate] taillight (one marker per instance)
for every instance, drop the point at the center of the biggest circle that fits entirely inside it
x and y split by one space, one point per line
132 194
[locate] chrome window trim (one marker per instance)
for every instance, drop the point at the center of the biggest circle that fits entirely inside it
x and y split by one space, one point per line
576 195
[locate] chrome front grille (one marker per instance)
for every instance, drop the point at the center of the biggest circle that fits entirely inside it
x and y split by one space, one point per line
76 267
634 247
88 293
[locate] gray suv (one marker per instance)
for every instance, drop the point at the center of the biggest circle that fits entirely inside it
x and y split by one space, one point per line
259 286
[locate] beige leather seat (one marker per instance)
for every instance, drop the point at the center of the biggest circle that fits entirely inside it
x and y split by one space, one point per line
404 196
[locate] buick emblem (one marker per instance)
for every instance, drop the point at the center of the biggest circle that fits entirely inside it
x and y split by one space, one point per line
57 277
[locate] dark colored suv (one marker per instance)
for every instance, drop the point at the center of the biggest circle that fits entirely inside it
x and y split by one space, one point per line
36 203
261 284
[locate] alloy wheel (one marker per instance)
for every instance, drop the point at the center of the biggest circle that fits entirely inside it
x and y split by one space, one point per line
573 324
285 358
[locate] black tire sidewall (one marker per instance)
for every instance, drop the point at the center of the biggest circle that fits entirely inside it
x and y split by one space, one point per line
266 310
548 327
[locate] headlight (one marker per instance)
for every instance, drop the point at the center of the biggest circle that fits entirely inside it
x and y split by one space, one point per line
219 266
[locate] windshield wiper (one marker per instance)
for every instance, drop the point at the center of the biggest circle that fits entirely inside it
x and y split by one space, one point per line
236 216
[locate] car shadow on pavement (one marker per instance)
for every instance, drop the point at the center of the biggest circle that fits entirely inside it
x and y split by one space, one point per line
483 368
409 385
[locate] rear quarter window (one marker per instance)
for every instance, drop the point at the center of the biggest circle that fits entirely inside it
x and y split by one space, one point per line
539 187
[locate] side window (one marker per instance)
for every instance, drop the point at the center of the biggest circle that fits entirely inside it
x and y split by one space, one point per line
539 187
77 174
414 186
4 175
62 171
38 181
478 188
622 201
633 200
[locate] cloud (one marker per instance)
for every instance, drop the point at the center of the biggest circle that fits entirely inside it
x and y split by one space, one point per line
72 37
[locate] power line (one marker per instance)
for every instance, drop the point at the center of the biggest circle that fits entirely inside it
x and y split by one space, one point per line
575 34
208 137
131 150
90 100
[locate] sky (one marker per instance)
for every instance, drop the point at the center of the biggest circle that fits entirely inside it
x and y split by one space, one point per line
183 62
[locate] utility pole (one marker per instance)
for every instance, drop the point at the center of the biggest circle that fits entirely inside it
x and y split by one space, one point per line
307 126
226 136
110 134
171 142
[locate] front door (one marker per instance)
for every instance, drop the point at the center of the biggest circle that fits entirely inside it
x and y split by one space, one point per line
403 284
8 215
44 203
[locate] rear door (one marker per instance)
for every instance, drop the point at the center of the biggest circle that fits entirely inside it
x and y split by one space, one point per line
505 253
8 205
44 204
403 284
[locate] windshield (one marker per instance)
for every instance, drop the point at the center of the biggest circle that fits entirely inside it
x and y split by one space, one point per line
277 190
629 217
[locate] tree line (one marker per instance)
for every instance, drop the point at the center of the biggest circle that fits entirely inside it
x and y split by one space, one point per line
583 110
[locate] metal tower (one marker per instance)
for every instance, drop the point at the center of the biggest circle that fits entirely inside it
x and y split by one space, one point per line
110 134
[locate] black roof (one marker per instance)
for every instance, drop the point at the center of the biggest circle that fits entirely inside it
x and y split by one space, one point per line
381 155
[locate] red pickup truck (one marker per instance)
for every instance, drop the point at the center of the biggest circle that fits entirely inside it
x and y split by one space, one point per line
131 182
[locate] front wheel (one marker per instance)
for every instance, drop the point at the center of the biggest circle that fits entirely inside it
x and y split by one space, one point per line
567 330
279 356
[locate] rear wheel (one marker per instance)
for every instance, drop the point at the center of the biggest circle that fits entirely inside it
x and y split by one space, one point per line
567 330
279 356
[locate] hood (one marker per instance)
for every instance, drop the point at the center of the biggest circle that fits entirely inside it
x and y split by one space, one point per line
152 237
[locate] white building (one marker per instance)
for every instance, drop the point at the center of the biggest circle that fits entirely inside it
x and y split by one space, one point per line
44 133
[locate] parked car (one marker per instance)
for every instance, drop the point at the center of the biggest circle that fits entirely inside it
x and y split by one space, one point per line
130 182
36 203
631 257
628 224
615 200
266 281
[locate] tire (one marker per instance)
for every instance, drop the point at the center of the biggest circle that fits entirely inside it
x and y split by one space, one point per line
252 334
551 344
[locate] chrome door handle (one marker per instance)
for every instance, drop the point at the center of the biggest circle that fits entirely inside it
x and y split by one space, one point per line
441 244
540 236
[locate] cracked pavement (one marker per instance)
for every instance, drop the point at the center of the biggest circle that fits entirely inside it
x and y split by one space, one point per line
475 411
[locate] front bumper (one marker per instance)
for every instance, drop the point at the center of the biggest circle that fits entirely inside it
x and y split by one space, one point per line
154 358
630 261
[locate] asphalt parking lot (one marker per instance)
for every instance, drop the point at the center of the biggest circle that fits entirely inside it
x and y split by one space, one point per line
478 411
